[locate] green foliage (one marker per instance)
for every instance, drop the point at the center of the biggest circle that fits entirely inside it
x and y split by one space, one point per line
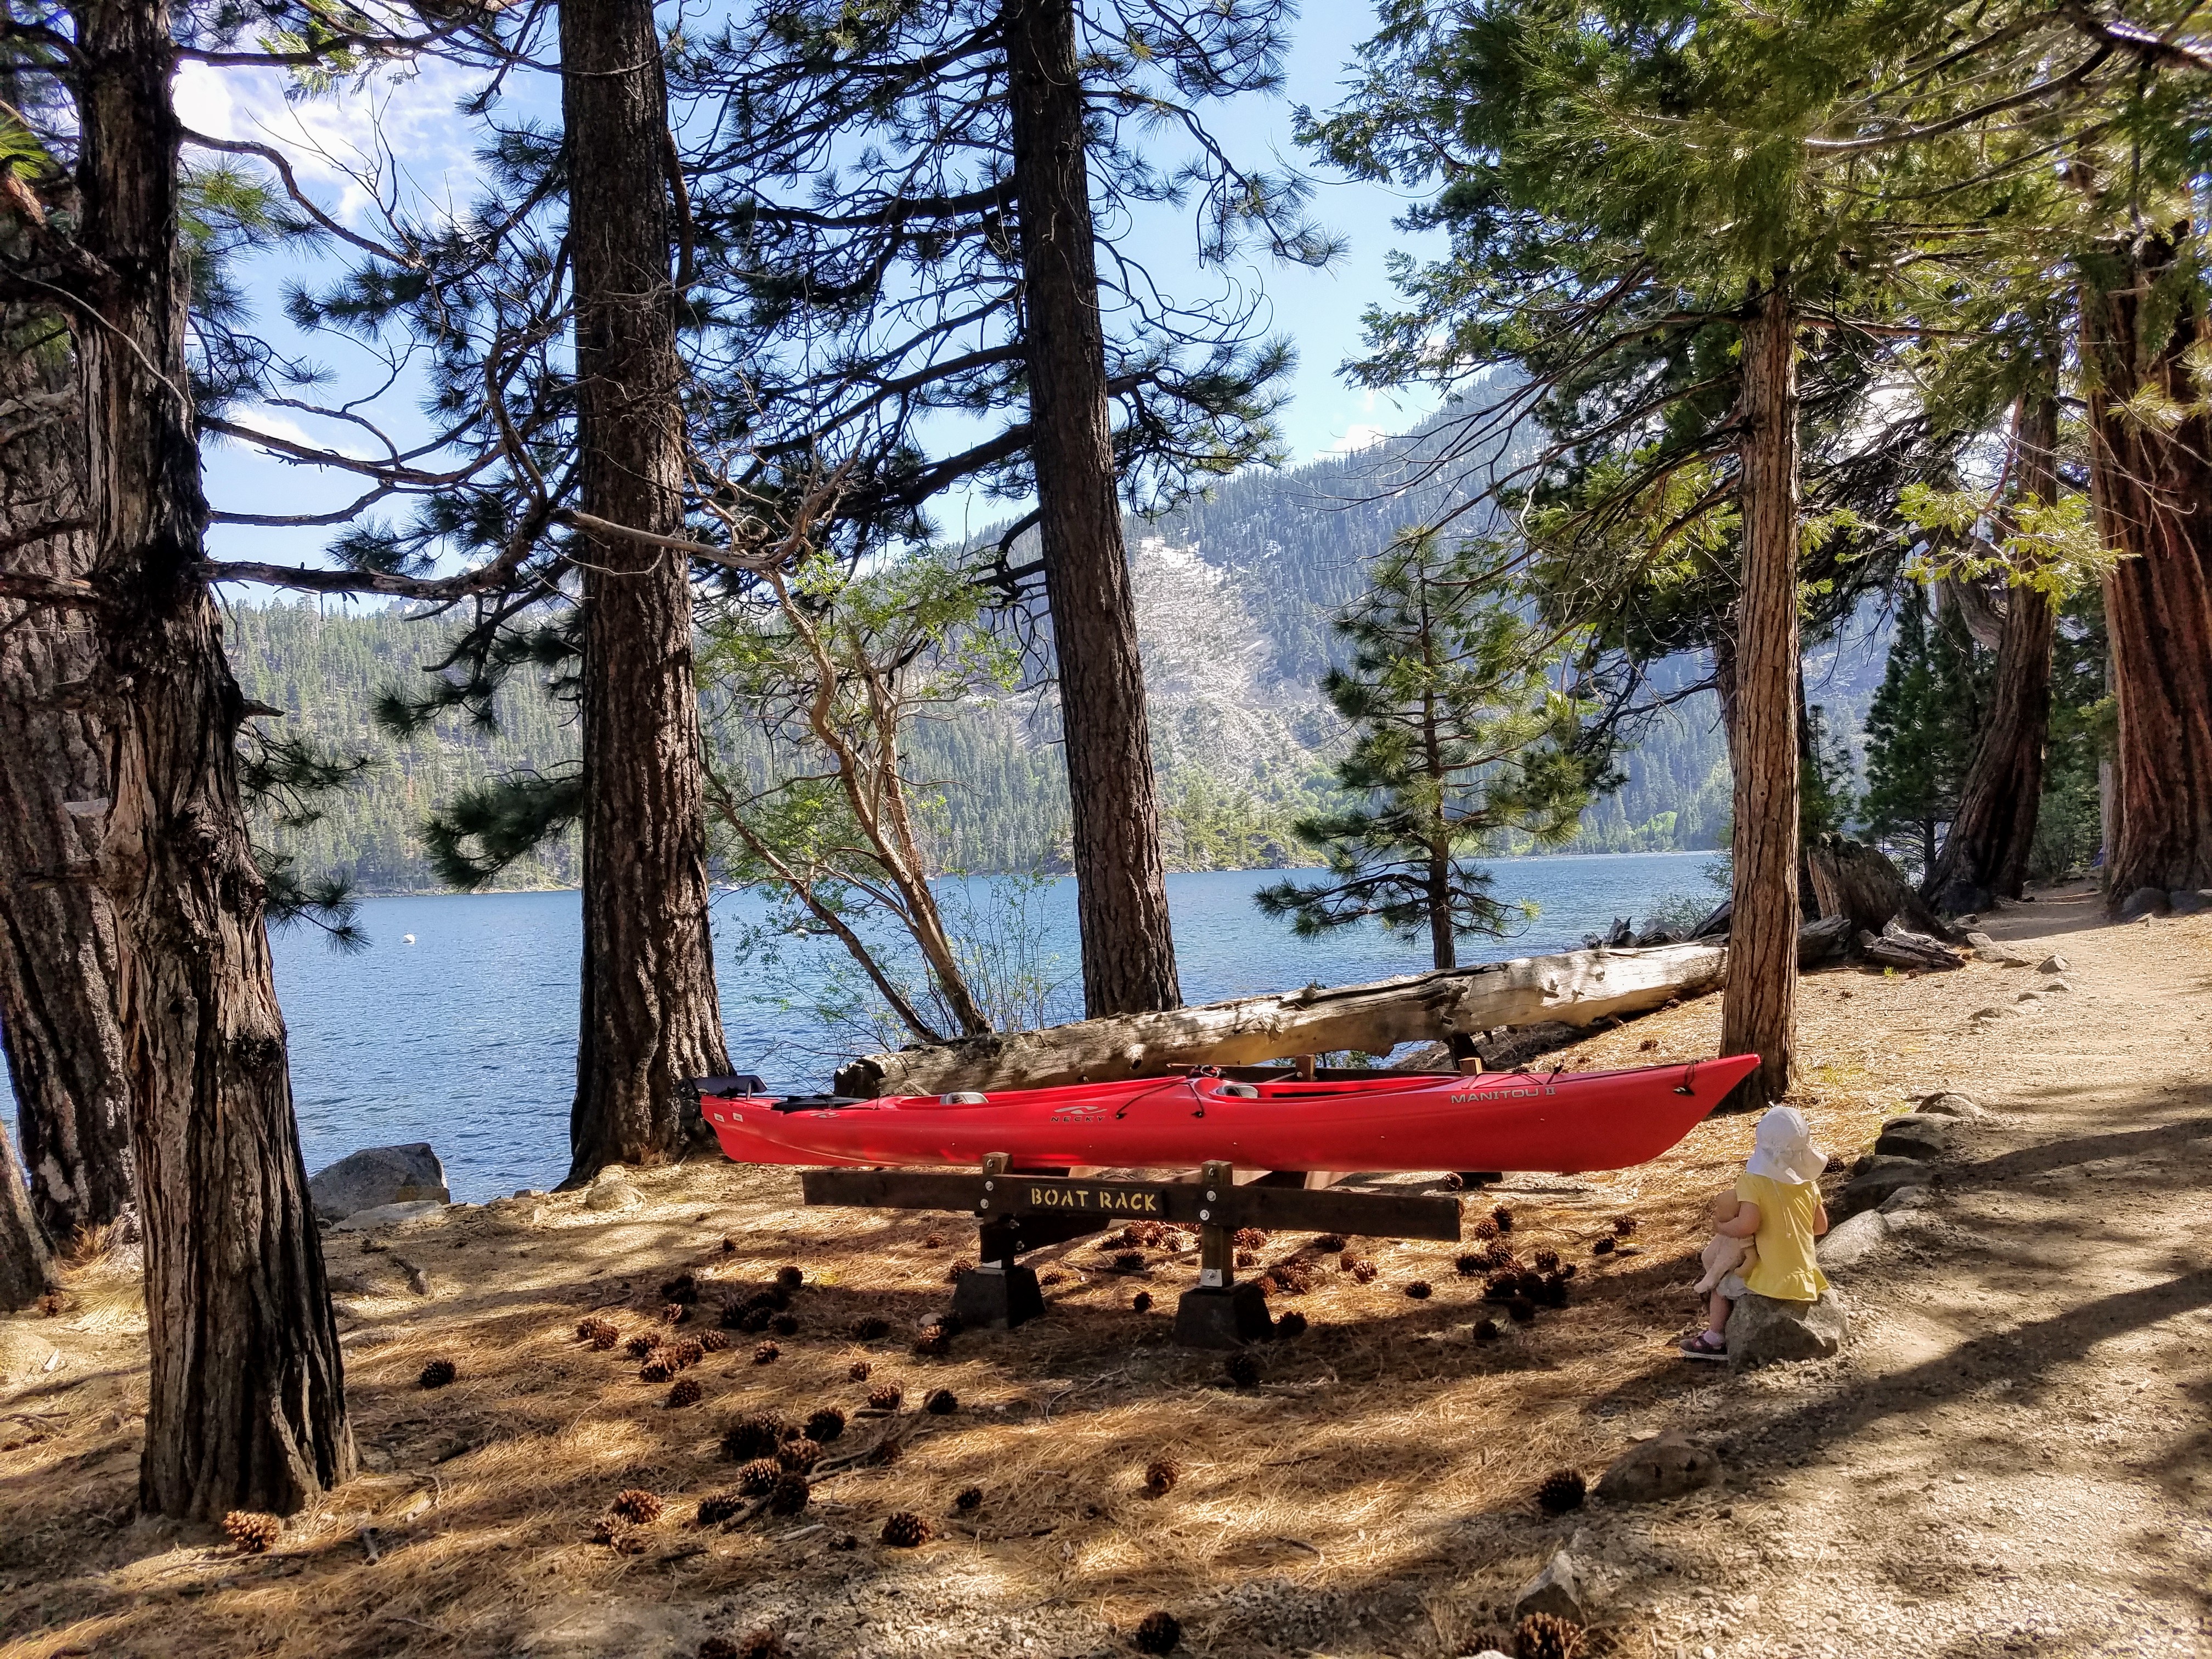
2069 825
1920 732
1460 737
1826 800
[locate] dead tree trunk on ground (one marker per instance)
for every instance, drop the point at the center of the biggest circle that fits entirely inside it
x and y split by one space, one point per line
1855 881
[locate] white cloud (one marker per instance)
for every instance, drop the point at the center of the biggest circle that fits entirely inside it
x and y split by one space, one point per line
1358 436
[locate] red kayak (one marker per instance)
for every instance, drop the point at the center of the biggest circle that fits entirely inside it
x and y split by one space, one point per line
1559 1122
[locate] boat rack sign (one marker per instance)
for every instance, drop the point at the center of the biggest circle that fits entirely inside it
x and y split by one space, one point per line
1110 1203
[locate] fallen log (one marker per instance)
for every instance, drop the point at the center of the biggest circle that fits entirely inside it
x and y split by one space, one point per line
1899 947
1857 881
1578 987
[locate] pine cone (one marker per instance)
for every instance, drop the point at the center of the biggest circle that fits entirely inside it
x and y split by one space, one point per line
1128 1261
1328 1243
754 1435
1472 1265
1546 1262
620 1537
1485 1330
1554 1292
1052 1277
905 1530
825 1425
588 1330
681 1288
789 1494
1418 1290
870 1329
1161 1476
1530 1285
1248 1258
1486 1228
1501 1287
638 1346
438 1373
1522 1310
934 1242
1347 1262
1244 1370
713 1342
1249 1238
800 1455
1499 1254
686 1354
252 1532
637 1506
1503 1218
655 1371
767 1354
1292 1324
1141 1302
729 1245
933 1342
858 1371
686 1393
958 1271
1560 1491
941 1402
967 1499
758 1477
886 1397
789 1277
674 1314
1362 1272
1603 1247
605 1337
1544 1636
785 1324
1624 1226
720 1507
753 1321
1158 1632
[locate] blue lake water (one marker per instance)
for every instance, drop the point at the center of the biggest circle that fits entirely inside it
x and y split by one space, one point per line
466 1038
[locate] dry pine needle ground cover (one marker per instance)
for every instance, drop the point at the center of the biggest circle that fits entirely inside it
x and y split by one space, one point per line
1372 1493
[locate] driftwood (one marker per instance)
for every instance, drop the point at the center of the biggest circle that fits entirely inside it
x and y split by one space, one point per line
1901 947
1823 940
1579 987
1859 882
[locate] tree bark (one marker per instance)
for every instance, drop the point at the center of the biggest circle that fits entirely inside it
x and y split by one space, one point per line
1758 1013
1856 882
2152 487
1994 831
651 1019
57 942
27 1269
246 1407
1578 987
1121 903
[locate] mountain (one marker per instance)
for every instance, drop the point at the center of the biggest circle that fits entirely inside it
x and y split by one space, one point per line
1235 595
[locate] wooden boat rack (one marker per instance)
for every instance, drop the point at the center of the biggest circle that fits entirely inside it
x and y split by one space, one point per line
1017 1212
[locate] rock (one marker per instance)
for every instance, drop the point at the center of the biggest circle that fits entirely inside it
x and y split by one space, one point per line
2145 901
1666 1466
1868 1191
2029 997
388 1215
1556 1590
1850 1242
2058 985
1901 1201
611 1190
1916 1135
2188 901
1988 949
1762 1331
1944 1103
1991 1014
2054 963
379 1175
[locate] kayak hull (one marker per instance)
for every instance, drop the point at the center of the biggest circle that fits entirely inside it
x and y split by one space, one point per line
1562 1122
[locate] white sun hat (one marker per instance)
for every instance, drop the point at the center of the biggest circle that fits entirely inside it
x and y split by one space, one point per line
1783 1149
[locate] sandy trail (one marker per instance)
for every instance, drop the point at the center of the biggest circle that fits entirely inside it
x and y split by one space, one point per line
2012 1458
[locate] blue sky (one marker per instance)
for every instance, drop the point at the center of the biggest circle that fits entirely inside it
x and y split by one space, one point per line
402 135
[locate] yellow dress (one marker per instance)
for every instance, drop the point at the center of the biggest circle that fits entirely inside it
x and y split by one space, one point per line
1787 1269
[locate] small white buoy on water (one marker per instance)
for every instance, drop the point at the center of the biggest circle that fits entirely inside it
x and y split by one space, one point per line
407 939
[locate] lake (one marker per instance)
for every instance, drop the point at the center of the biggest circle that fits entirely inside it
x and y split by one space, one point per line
465 1038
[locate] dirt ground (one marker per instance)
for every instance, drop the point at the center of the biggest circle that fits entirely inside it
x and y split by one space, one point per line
2012 1457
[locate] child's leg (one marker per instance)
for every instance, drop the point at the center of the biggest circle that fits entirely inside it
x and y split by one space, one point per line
1717 1314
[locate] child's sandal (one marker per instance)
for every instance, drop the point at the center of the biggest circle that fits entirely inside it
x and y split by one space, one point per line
1705 1346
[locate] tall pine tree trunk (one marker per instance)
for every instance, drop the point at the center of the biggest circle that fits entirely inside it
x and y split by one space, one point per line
1121 903
247 1406
1994 831
651 1019
57 939
1757 1010
2151 486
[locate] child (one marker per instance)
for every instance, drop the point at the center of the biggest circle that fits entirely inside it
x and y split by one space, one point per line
1727 1258
1779 1209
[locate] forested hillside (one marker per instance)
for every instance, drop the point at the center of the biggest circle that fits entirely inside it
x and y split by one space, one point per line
1235 595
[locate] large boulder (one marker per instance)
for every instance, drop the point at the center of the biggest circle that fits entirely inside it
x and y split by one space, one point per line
1917 1134
1866 1190
1763 1331
1666 1466
376 1177
1851 1242
2145 901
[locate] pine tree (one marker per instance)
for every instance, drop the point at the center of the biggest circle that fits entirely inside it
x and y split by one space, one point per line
1921 731
1462 739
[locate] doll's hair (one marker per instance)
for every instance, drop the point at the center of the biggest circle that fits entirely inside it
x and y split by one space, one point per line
1724 1201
